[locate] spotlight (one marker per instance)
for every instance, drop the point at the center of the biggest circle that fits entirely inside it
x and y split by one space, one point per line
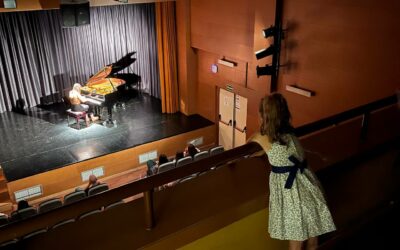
265 52
267 70
269 31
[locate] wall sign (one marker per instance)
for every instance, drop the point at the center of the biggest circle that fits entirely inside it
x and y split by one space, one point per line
214 68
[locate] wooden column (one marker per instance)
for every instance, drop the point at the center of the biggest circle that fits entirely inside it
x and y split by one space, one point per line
4 195
149 209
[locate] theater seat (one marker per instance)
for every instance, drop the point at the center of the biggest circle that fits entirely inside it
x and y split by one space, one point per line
85 215
166 166
3 220
23 213
216 150
201 155
62 223
187 178
97 189
113 205
74 196
49 205
183 161
11 244
35 233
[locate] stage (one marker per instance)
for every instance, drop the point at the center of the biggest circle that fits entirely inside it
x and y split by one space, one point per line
41 140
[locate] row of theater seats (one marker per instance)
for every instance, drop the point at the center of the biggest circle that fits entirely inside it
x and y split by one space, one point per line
50 205
188 159
80 194
14 242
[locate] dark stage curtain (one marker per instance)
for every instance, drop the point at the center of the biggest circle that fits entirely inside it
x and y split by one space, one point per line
39 58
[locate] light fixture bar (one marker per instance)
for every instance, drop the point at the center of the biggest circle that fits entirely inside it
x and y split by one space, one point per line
226 63
297 90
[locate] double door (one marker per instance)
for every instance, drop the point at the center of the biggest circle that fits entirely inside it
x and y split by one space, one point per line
232 119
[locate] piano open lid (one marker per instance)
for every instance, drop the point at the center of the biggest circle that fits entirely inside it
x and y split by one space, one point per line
123 63
102 76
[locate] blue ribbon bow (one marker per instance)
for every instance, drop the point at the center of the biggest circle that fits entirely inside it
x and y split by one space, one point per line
292 170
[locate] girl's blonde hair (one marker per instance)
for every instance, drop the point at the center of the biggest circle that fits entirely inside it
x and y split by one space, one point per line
275 118
76 91
77 87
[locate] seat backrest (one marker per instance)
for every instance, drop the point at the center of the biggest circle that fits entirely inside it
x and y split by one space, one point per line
187 178
89 214
201 155
184 161
166 166
11 244
23 213
3 220
49 205
216 150
74 196
30 235
97 189
62 223
116 204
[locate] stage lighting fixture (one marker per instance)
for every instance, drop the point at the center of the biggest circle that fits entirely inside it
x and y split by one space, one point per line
265 52
269 32
267 70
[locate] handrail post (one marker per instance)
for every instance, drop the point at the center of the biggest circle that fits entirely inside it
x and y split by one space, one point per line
149 209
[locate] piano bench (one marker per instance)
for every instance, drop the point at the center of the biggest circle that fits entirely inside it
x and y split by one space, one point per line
77 115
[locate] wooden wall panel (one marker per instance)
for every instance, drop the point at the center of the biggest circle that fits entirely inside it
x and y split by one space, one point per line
333 144
187 59
345 51
342 141
224 27
69 177
383 125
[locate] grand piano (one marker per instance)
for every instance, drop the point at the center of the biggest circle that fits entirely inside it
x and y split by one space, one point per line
106 88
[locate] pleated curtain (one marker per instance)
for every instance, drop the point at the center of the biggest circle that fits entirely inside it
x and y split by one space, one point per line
167 56
39 58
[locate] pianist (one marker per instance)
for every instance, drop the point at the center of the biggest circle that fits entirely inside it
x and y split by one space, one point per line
77 102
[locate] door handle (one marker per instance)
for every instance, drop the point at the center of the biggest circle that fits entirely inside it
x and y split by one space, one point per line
224 122
241 130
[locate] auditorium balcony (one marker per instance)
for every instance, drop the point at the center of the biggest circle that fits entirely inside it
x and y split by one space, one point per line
224 202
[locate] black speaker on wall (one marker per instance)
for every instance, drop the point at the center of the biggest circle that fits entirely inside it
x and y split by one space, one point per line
68 15
82 14
75 14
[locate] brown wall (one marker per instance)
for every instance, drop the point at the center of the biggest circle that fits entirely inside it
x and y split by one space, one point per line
187 70
223 27
226 29
346 52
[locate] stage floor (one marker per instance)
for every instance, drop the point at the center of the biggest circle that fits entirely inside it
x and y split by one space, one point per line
41 140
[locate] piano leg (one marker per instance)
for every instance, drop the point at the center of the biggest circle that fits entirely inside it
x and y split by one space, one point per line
109 119
97 111
109 114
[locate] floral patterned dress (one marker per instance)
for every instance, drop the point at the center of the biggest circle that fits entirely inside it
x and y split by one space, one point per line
297 211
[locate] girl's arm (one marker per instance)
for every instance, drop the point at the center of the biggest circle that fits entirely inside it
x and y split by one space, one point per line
82 98
263 141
